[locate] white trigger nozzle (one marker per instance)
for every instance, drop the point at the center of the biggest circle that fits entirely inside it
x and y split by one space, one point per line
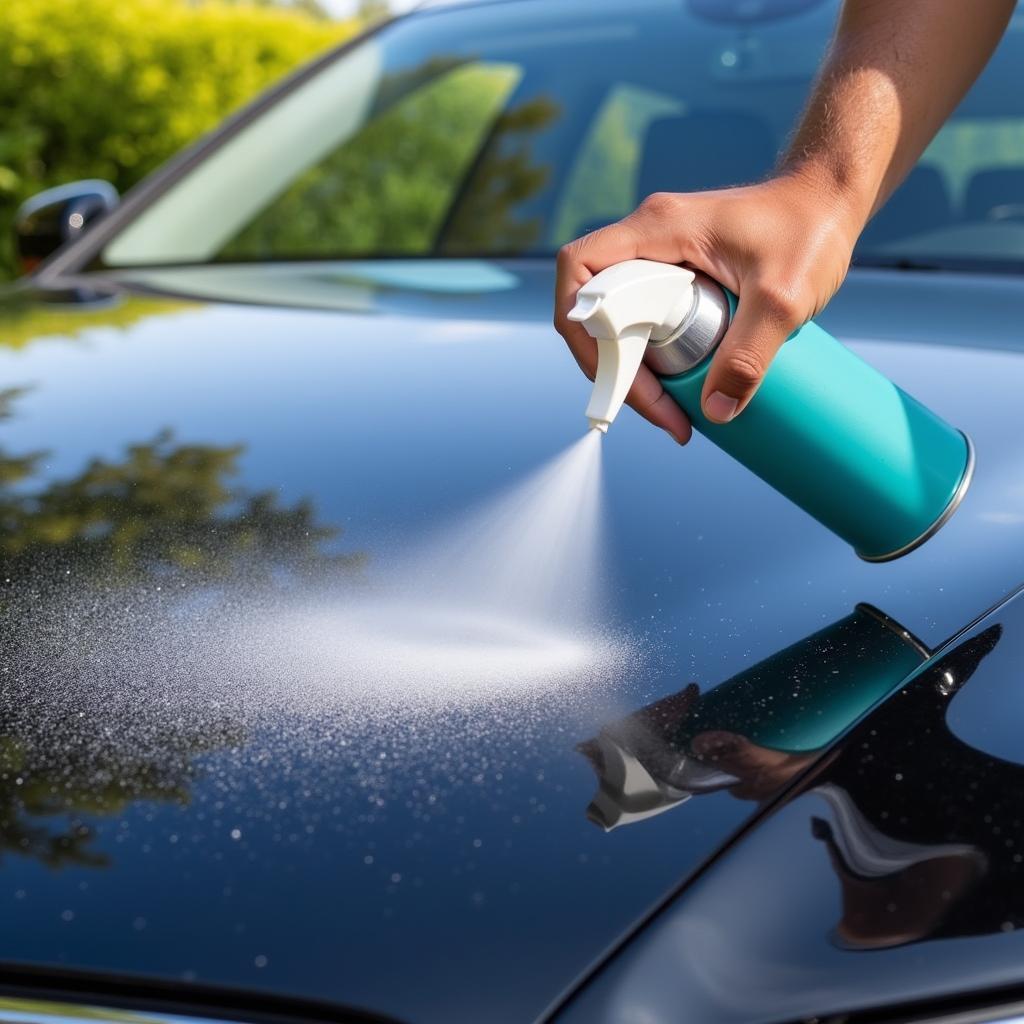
623 308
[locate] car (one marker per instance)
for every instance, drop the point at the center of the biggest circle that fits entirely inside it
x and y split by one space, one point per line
336 685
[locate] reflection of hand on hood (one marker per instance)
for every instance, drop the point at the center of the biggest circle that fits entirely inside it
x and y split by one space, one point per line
759 771
641 769
906 861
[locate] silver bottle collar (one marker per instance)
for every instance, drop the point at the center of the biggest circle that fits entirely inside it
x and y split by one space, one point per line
695 338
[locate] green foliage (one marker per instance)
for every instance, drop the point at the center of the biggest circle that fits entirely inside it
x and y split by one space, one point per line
966 146
46 788
440 143
372 11
507 175
112 88
161 516
387 189
24 320
164 510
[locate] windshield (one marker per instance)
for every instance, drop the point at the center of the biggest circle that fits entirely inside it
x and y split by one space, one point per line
508 129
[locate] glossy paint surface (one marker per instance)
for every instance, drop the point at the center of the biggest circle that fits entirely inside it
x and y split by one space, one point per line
890 875
432 863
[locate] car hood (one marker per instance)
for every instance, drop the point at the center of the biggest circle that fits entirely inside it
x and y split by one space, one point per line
205 476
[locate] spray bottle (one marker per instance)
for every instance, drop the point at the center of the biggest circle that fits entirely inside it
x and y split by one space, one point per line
825 429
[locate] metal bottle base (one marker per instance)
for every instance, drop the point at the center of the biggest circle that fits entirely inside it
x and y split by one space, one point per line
947 512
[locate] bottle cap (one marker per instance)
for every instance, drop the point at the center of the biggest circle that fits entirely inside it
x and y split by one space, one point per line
623 308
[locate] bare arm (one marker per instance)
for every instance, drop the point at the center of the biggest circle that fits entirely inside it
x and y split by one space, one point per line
893 74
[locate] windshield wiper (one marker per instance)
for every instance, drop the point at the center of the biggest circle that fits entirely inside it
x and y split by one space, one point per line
966 264
901 263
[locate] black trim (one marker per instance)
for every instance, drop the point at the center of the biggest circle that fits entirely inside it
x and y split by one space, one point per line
943 265
594 970
125 991
962 1008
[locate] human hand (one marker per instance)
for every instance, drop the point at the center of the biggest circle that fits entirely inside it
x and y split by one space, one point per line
783 246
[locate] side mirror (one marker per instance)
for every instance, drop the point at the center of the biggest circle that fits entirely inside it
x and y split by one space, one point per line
49 219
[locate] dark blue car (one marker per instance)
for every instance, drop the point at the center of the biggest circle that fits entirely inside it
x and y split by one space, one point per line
237 783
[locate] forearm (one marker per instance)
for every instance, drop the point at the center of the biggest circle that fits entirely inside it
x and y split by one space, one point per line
895 71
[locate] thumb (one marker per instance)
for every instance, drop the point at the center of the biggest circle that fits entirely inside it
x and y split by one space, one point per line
762 323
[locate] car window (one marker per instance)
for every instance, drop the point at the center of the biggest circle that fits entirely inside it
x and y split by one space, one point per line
982 160
602 179
388 187
508 129
497 129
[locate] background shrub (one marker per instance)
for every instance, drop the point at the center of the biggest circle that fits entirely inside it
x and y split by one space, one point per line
112 88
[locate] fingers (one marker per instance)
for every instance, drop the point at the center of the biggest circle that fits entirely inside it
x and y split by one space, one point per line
580 260
650 399
577 264
738 755
764 319
733 753
646 396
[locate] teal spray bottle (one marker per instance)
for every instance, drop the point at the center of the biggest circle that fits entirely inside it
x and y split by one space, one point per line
825 429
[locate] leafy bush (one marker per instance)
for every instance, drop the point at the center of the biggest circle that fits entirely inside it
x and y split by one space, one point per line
112 88
388 189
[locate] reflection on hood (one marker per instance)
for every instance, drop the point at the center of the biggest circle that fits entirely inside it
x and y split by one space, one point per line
91 566
754 731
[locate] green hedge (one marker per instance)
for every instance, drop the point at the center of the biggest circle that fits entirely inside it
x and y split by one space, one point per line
112 88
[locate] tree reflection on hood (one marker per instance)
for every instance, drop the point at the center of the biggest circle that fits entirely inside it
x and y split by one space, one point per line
125 542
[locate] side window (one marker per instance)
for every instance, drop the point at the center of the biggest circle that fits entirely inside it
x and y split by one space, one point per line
602 184
970 179
983 164
387 189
